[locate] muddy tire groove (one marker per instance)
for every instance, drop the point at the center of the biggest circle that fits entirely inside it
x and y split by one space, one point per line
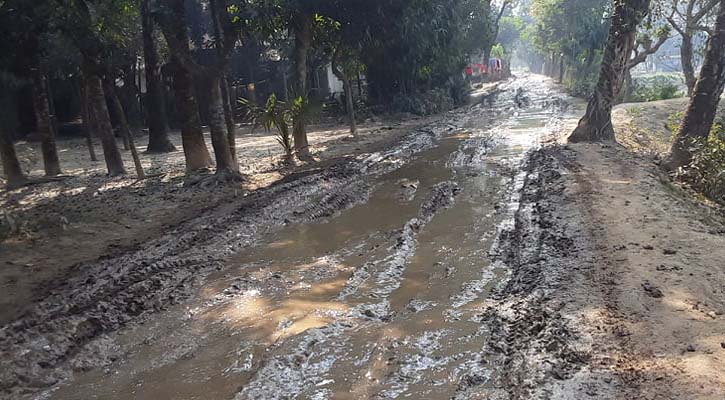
529 338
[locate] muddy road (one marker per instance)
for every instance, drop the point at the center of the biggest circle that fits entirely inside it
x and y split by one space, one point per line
382 276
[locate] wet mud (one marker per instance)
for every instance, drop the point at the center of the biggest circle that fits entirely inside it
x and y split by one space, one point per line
412 272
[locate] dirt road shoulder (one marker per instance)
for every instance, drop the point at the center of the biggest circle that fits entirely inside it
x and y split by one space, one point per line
633 290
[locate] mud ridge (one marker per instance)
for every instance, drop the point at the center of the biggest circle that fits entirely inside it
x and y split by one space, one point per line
529 338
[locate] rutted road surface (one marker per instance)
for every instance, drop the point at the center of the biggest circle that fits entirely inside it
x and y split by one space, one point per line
401 274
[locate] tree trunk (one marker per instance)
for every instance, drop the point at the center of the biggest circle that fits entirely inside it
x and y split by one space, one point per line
129 95
86 116
596 125
44 125
698 120
110 88
303 41
349 100
628 85
229 118
688 67
192 137
219 33
561 69
11 165
97 102
217 124
156 109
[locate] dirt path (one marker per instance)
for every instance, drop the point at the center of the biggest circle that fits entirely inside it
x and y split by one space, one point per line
648 292
461 261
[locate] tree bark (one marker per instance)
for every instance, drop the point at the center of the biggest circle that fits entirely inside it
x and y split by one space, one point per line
688 68
303 42
220 141
701 111
192 137
156 109
11 165
44 125
349 100
229 118
97 101
86 116
110 89
596 125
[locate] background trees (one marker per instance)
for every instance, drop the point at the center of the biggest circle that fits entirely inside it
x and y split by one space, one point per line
596 125
698 120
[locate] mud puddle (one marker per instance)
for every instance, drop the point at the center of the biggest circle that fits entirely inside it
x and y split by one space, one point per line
383 300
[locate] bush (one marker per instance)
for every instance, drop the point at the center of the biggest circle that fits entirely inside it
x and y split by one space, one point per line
659 87
581 86
432 102
706 173
582 74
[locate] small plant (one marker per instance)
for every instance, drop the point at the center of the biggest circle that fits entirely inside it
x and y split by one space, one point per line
282 117
275 115
674 120
635 112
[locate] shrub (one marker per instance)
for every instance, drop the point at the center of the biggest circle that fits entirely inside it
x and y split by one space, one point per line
659 87
432 102
706 173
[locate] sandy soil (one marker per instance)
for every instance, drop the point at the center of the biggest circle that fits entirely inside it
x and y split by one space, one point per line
48 231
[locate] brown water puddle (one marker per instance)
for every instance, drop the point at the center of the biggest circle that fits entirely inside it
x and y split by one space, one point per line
275 323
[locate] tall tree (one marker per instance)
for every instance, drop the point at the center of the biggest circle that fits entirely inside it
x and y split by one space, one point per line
44 124
216 19
156 108
28 24
703 105
174 21
596 125
110 89
301 24
192 137
99 110
686 19
86 31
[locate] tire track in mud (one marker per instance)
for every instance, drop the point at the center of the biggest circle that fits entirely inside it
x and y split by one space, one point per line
172 268
529 339
41 347
397 363
318 349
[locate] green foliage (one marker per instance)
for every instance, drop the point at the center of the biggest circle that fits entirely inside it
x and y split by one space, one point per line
274 115
511 30
659 87
412 46
706 172
281 117
576 30
498 51
674 120
583 73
